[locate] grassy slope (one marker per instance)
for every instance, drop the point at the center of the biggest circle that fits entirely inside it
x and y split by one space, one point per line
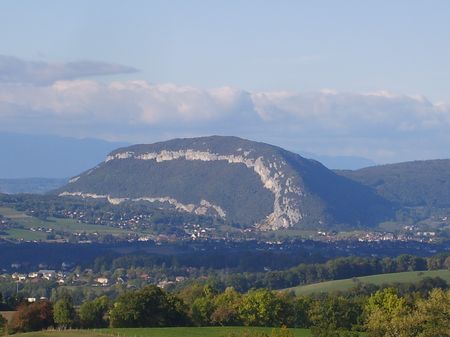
342 285
157 332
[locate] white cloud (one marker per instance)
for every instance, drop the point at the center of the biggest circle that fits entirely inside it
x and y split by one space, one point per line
380 125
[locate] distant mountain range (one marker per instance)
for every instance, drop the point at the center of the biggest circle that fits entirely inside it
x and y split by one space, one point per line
424 183
240 181
43 156
340 162
30 185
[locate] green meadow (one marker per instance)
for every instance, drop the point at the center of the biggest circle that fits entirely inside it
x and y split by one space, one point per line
342 285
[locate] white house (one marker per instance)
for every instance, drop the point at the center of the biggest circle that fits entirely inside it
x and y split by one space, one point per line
103 281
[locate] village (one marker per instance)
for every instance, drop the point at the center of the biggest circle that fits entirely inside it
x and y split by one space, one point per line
72 277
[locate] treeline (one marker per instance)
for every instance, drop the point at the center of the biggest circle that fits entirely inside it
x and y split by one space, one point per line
240 278
336 269
159 268
383 313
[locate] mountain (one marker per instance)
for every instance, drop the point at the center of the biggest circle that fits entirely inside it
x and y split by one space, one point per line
30 185
243 182
340 162
25 156
409 184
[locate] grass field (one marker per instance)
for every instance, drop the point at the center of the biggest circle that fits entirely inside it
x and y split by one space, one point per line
66 225
194 331
342 285
157 332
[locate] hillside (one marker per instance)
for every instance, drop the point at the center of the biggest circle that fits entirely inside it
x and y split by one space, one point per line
347 284
410 184
240 181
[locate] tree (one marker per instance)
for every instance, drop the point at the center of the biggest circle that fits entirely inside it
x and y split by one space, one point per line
64 312
226 310
302 305
333 316
202 309
3 306
433 314
190 293
32 317
261 308
388 315
447 263
92 313
203 306
148 307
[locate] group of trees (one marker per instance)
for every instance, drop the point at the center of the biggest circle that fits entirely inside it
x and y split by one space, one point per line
149 306
43 314
335 269
131 268
32 317
258 307
389 315
385 313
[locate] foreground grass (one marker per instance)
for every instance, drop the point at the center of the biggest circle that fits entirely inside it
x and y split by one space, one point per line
158 332
195 331
343 285
68 333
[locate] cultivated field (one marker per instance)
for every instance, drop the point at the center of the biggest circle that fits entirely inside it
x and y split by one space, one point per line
342 285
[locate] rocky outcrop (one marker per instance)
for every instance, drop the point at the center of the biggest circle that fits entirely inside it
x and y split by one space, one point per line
285 209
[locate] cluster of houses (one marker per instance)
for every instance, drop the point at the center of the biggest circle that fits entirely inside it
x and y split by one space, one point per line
427 237
85 278
124 221
408 234
49 275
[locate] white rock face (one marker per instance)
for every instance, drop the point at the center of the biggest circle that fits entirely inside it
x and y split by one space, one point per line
203 208
286 211
73 180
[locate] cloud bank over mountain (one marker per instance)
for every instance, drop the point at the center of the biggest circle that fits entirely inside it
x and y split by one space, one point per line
57 98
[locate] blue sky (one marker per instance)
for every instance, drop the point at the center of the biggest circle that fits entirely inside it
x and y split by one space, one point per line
367 78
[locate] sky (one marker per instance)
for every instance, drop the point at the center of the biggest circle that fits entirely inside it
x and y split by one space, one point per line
351 78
